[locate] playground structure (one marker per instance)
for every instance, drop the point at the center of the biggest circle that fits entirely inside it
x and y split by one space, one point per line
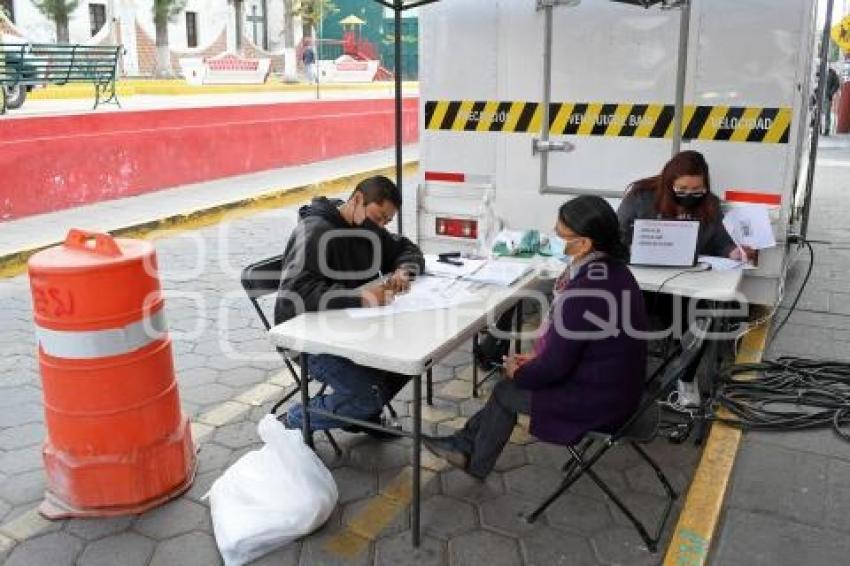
352 44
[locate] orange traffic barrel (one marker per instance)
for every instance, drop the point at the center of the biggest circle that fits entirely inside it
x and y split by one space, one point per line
117 441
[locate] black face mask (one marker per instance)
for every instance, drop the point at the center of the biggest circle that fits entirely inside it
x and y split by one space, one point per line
690 201
371 225
368 223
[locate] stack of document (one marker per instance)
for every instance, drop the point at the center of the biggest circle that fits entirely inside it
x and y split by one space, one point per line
426 293
499 272
490 272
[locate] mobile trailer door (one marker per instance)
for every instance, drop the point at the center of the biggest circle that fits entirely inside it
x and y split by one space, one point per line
612 92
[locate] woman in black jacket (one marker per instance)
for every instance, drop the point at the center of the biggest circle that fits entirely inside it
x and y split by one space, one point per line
682 191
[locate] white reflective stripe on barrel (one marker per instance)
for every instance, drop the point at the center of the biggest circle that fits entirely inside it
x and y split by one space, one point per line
88 344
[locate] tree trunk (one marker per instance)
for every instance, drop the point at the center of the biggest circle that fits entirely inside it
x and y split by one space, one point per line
306 20
62 29
163 53
288 25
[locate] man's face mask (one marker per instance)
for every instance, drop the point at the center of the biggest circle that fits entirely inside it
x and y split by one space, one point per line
368 224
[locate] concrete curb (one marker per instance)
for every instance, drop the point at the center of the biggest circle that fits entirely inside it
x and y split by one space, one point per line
695 530
12 264
131 88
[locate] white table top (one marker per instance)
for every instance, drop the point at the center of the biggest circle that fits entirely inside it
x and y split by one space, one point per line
711 285
409 343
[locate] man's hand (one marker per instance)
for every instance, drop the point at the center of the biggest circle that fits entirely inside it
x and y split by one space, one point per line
514 362
399 281
376 295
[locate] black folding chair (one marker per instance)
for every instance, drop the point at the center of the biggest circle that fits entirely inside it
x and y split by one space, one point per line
259 280
641 428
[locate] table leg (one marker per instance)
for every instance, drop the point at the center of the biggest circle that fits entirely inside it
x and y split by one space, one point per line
474 366
417 457
305 400
518 328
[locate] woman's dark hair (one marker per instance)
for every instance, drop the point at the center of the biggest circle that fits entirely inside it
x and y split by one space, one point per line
592 217
685 163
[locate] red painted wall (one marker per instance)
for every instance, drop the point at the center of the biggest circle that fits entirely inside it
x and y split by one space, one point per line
56 162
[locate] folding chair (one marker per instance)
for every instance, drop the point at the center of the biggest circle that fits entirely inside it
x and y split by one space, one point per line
259 280
641 428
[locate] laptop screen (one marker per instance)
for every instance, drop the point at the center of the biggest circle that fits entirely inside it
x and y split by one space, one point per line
665 243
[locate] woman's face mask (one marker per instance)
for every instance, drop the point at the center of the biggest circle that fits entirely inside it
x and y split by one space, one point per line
689 200
558 248
689 191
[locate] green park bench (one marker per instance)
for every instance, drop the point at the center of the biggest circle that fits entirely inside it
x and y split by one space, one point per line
25 65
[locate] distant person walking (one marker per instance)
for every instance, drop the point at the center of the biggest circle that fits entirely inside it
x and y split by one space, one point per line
833 84
308 57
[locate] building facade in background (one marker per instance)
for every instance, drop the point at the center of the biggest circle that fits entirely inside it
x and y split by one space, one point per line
207 28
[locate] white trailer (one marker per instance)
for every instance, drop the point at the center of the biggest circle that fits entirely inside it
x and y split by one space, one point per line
622 87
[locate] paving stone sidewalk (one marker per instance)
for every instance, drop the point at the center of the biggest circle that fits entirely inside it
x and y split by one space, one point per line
229 376
790 496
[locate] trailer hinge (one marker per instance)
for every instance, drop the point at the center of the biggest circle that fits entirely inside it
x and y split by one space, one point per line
546 146
543 4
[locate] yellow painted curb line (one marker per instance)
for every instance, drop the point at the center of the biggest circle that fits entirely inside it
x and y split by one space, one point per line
703 506
16 263
133 87
377 514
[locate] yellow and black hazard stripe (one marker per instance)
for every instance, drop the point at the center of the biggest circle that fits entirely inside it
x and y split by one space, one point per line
715 123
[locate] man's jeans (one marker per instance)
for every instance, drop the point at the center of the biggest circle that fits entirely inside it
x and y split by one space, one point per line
359 392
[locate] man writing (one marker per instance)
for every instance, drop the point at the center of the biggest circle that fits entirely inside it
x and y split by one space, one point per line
341 256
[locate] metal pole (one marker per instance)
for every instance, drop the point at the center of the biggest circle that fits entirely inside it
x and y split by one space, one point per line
305 402
820 96
265 5
318 62
415 509
681 75
398 7
547 94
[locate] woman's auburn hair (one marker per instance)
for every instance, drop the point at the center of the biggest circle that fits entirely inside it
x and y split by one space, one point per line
683 164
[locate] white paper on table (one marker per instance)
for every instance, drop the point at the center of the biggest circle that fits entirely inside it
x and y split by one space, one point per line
499 272
426 293
724 263
749 225
434 267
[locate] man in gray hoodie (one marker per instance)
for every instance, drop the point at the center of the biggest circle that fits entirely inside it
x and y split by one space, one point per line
341 256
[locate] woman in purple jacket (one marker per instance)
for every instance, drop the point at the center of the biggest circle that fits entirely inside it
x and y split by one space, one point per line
587 369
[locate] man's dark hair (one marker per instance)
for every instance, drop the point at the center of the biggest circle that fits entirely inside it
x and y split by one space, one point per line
378 189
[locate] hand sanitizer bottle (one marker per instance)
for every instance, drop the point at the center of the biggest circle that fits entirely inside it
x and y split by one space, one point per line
488 225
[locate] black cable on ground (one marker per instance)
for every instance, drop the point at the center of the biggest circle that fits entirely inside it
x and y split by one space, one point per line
786 394
799 294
